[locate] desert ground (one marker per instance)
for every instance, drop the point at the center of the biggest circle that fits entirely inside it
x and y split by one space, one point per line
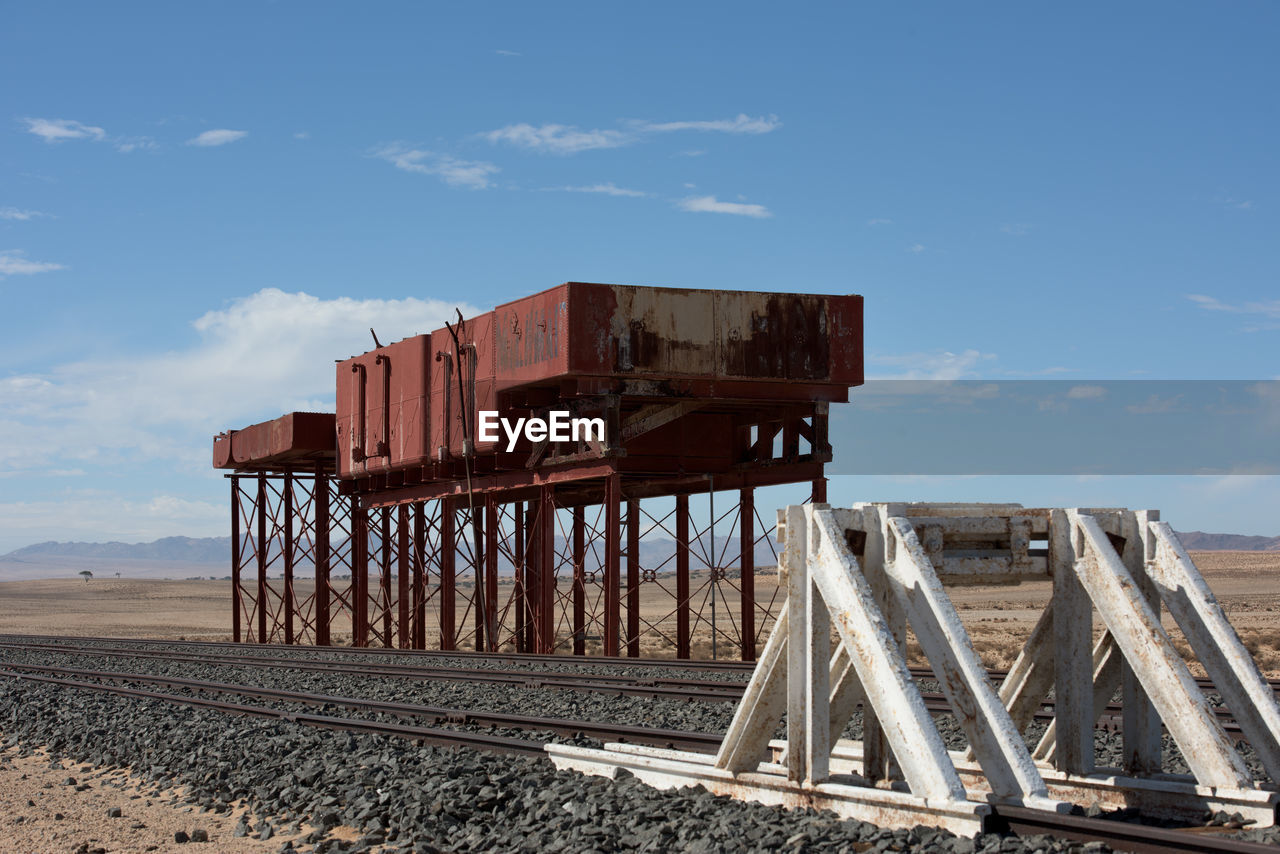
998 618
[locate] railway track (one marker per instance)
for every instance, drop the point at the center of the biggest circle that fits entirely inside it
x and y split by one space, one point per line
693 690
1012 819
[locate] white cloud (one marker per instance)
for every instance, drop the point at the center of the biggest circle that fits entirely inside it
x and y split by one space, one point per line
557 139
1267 312
609 189
709 204
693 152
219 136
1086 392
262 355
569 139
938 365
740 124
472 174
507 53
140 143
302 134
21 215
13 263
61 130
879 221
917 248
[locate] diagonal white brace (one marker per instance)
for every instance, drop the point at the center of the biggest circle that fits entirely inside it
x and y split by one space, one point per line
1150 652
1216 644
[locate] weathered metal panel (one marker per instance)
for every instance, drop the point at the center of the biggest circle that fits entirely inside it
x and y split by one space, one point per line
283 441
383 408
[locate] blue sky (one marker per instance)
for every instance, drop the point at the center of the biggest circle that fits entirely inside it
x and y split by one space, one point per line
201 207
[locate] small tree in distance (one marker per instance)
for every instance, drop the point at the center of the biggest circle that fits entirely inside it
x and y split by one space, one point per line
87 575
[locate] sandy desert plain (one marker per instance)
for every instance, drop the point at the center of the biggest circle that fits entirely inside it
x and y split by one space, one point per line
998 618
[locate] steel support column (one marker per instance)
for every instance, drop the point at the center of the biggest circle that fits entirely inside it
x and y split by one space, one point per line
384 577
262 557
579 582
547 571
287 500
747 570
491 573
518 593
448 576
612 560
682 577
419 634
402 576
236 598
359 574
321 499
633 578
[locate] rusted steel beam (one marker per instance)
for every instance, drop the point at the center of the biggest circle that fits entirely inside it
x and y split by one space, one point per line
321 500
287 522
547 571
384 576
261 604
448 576
360 575
682 577
612 560
633 578
747 570
419 576
236 598
402 577
579 581
491 573
519 604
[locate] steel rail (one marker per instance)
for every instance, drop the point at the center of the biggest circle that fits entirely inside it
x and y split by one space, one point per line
1119 835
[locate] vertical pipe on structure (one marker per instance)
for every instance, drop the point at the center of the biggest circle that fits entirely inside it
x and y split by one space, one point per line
491 572
262 557
819 493
384 576
519 579
419 575
633 578
359 574
612 548
682 576
321 501
547 571
287 513
579 581
236 603
747 569
402 576
448 568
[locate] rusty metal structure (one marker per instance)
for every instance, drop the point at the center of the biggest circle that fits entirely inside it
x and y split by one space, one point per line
397 522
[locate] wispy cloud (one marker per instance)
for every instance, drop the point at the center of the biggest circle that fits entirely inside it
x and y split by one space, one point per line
609 189
219 136
879 221
18 214
557 139
740 124
916 248
569 139
1087 392
61 130
302 134
710 204
1017 229
938 365
137 143
1266 312
507 53
13 262
472 174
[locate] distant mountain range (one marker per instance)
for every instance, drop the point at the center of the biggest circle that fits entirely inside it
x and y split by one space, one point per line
186 556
